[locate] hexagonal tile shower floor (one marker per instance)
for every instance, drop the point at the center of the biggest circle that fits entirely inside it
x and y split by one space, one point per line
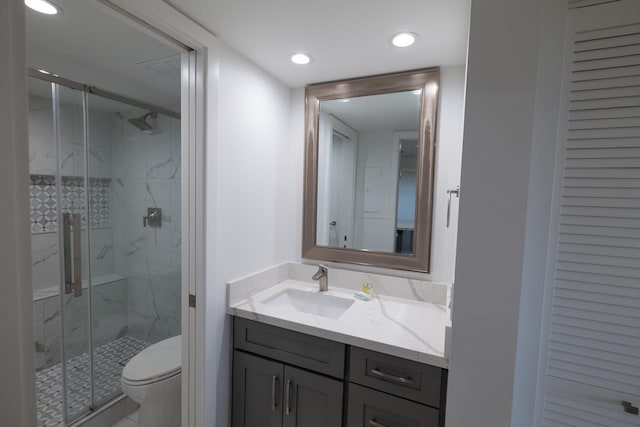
109 361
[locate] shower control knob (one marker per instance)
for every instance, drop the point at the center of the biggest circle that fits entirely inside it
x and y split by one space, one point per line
153 218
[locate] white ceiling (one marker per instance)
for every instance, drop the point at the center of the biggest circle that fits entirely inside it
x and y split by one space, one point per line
89 44
346 38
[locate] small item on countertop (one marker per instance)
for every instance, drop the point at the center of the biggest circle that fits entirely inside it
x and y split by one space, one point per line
366 293
363 295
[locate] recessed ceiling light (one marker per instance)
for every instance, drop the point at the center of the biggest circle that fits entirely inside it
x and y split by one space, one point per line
300 58
42 6
403 39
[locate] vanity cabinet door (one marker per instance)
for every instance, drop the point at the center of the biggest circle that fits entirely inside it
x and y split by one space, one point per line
311 400
257 391
372 408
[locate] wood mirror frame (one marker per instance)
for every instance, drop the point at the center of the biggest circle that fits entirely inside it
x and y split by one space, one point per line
428 81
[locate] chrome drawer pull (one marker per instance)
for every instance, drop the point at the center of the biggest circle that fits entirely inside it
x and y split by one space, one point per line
274 403
629 408
374 423
287 409
402 380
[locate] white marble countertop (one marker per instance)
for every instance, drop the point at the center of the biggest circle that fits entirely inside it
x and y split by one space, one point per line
400 327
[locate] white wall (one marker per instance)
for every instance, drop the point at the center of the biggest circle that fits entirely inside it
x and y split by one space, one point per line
541 175
17 388
505 201
447 173
255 220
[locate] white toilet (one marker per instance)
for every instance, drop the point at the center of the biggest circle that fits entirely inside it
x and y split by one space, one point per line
153 378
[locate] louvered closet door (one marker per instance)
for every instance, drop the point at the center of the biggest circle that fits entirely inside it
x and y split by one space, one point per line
593 348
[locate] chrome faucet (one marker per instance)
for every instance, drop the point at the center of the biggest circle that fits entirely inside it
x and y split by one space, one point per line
323 275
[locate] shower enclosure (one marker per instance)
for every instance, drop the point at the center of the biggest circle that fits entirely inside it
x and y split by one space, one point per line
106 245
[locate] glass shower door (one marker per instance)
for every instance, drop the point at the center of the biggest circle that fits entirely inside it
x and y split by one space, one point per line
106 237
75 338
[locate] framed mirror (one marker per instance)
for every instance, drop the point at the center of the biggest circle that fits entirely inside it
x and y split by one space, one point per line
369 162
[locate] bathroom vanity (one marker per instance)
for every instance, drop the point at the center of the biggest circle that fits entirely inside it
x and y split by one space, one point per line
313 354
285 378
307 358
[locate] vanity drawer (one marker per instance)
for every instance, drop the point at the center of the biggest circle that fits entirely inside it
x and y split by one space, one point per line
294 348
371 408
404 378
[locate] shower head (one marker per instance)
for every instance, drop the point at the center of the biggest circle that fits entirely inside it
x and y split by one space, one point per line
141 122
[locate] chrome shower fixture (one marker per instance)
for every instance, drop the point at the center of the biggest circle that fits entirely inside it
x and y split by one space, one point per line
141 122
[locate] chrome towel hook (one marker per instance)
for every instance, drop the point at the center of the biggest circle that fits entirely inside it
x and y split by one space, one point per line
455 191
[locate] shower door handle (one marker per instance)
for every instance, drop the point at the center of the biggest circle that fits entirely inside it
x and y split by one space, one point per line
72 280
77 256
66 241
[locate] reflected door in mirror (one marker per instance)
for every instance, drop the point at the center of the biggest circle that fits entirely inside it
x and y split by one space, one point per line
407 144
336 183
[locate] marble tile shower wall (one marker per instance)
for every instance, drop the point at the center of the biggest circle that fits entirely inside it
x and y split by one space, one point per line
42 153
109 321
146 173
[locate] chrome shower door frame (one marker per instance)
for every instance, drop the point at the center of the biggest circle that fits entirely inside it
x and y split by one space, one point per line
71 260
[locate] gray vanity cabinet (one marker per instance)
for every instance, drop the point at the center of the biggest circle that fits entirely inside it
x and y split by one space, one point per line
293 348
387 391
371 408
283 378
257 391
272 394
311 400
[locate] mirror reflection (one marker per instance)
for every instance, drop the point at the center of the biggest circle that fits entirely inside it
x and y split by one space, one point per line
367 168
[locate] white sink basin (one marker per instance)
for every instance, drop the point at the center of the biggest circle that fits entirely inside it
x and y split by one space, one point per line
315 303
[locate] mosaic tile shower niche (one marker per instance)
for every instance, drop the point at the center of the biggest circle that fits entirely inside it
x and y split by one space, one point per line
44 201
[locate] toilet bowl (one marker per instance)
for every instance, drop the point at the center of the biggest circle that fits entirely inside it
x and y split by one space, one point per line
153 379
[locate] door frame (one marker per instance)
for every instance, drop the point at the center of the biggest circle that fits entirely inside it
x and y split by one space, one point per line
199 60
